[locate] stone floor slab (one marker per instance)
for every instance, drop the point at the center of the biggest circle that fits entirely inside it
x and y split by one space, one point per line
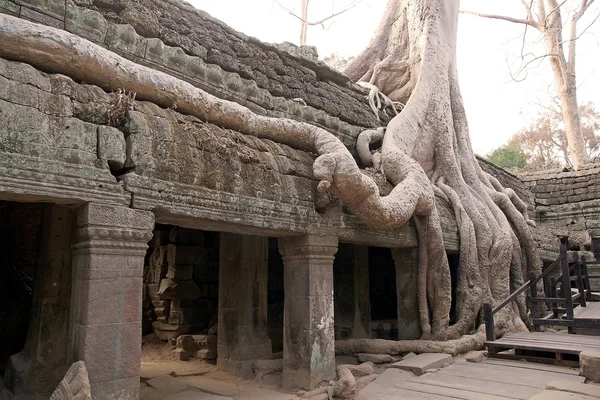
167 384
194 395
393 376
573 387
555 395
422 362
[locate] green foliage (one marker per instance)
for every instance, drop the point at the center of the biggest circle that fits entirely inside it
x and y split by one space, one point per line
509 157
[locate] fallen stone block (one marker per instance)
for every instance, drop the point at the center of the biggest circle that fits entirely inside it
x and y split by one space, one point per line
183 355
167 332
589 365
423 362
375 358
206 354
475 356
574 387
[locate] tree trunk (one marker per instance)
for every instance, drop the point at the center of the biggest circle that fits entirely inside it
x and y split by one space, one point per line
303 22
565 78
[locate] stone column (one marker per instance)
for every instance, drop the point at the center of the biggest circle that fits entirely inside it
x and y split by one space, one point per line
106 300
242 327
351 292
35 372
407 268
308 331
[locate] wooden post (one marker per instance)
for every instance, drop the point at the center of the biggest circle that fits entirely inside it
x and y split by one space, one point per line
533 290
586 279
488 317
579 281
566 284
553 294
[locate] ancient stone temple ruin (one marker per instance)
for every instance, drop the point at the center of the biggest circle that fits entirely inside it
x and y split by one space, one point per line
122 216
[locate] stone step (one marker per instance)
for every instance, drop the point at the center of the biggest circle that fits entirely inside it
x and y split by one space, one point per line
423 362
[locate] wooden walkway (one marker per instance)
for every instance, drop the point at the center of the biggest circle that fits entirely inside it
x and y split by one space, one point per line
544 347
487 380
587 317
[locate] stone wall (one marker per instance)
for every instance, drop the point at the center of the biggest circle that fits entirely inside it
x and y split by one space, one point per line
173 37
569 199
508 180
181 282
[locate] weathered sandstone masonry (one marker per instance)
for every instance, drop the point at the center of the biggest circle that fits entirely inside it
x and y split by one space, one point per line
106 305
169 181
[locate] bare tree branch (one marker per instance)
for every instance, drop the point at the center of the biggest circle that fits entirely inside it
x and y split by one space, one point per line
527 21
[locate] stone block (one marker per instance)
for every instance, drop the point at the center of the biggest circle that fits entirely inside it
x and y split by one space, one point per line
589 365
111 146
190 237
110 351
86 23
183 355
117 389
186 255
158 266
41 18
52 8
107 301
375 358
206 354
181 273
124 39
475 356
182 316
178 290
421 363
167 332
10 8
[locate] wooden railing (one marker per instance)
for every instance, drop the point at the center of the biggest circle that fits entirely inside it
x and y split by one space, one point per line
581 277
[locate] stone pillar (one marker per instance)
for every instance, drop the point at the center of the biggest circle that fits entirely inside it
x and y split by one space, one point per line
308 330
407 268
352 305
242 327
106 300
34 372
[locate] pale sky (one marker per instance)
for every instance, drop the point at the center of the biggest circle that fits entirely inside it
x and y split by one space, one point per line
496 105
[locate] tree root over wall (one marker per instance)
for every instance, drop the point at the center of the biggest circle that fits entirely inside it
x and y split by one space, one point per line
426 151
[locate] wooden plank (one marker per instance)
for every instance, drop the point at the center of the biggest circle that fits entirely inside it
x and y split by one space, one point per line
466 394
555 344
506 375
477 385
555 341
528 365
544 360
564 337
520 373
541 347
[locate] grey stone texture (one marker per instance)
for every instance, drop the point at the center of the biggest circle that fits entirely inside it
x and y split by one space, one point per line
575 388
407 267
243 276
589 365
419 364
35 371
352 306
108 260
375 358
308 336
